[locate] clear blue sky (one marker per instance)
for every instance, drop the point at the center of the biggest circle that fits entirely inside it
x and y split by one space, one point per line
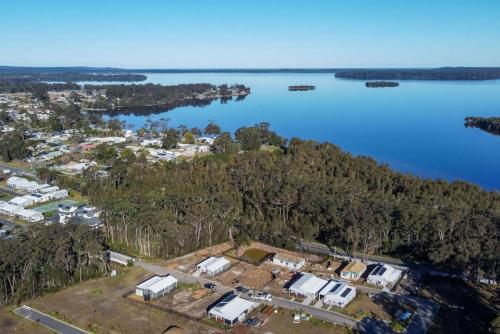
256 33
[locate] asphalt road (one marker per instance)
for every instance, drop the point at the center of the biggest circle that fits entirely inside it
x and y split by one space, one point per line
319 313
54 324
17 170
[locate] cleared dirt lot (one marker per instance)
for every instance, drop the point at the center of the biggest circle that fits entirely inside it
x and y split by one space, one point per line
187 300
99 306
282 323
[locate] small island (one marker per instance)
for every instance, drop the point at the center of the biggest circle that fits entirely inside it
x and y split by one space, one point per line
381 84
301 88
488 124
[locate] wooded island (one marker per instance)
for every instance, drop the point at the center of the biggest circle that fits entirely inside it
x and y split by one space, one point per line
301 88
381 84
488 124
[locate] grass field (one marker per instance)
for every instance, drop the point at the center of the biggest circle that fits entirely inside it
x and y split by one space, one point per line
53 206
254 256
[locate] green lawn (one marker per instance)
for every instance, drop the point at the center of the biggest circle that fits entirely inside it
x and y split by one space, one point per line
53 206
254 256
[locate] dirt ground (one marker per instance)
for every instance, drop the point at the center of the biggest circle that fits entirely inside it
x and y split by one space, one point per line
464 308
282 323
99 306
189 261
192 303
245 274
12 323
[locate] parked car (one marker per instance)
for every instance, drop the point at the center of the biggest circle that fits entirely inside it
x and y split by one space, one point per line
210 286
262 296
242 289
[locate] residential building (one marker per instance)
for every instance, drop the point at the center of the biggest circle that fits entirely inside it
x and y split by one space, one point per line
29 215
22 201
307 286
353 270
156 287
338 294
289 261
384 275
213 265
231 309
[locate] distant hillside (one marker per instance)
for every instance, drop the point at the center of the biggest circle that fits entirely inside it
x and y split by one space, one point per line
443 73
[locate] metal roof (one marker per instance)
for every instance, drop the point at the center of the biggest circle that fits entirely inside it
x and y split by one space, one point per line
231 307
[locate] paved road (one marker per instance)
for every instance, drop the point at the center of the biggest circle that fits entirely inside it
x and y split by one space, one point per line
46 320
17 170
319 313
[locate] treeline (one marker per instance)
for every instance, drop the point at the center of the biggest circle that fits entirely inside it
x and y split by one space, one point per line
37 88
304 190
488 124
70 77
443 73
143 99
45 258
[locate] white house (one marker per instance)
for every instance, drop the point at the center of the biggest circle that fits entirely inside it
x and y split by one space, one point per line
9 209
21 183
384 275
62 193
291 262
48 190
231 309
353 270
29 215
213 265
307 286
337 294
156 287
22 201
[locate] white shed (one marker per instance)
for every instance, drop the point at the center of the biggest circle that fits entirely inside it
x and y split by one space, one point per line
156 287
213 265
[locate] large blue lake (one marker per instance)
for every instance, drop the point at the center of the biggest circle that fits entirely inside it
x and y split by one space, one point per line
417 127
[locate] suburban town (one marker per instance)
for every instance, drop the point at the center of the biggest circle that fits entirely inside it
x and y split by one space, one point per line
259 167
241 288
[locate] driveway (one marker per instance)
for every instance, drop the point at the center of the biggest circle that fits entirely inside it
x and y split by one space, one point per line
46 320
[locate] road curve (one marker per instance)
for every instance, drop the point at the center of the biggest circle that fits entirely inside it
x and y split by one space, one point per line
46 320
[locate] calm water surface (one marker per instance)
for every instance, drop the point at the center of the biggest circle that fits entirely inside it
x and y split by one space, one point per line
417 127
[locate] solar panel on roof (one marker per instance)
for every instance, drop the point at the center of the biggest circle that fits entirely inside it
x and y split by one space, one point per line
336 287
346 292
377 269
382 271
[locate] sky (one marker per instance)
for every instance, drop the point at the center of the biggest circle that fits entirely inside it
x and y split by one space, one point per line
250 34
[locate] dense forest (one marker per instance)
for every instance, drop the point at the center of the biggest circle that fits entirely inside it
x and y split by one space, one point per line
303 190
45 258
144 99
488 124
381 84
7 86
443 73
70 77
